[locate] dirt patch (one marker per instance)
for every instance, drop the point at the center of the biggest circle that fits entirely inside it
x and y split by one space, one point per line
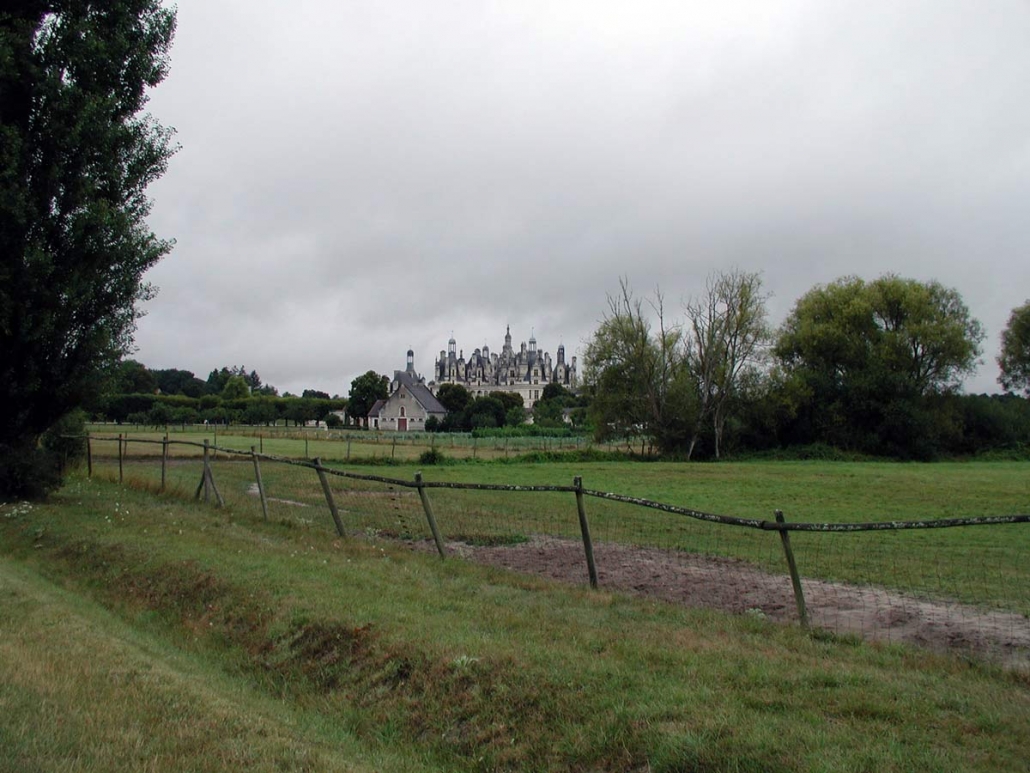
254 491
736 586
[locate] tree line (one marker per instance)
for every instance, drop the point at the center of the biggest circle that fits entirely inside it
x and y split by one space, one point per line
872 367
230 395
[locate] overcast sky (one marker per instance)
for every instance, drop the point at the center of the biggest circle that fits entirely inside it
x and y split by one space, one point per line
358 178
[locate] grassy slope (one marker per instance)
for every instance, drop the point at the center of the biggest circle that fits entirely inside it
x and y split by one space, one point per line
80 690
469 667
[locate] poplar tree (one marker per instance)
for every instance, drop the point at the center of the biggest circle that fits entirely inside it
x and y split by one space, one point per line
76 156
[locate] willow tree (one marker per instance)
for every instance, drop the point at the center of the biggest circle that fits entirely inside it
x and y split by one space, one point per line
872 356
76 156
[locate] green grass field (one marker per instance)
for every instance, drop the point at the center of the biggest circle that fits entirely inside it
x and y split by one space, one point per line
338 445
983 566
144 632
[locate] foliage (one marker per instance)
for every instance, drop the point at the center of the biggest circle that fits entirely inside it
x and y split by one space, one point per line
217 380
870 356
513 417
261 411
76 158
300 410
550 410
132 377
555 391
235 389
365 390
488 412
526 430
639 379
161 414
66 440
1014 359
433 456
675 383
172 381
454 397
726 333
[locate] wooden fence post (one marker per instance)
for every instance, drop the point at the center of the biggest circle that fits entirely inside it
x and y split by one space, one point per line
584 527
89 456
207 480
348 449
204 477
120 465
306 448
424 496
795 578
329 496
260 485
164 459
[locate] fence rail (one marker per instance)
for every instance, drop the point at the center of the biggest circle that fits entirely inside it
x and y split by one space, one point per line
470 512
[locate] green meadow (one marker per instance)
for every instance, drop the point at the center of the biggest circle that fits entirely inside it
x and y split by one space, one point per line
150 631
981 565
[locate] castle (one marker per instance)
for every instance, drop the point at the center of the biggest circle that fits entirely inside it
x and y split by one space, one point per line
525 372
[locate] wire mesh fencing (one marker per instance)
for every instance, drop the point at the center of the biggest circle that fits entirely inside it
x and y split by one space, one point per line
956 584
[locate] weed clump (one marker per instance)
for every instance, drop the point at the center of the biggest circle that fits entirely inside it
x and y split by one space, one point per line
432 456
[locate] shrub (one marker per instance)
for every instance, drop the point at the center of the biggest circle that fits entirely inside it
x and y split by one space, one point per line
32 472
432 456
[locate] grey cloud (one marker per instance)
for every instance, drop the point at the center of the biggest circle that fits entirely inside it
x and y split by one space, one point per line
356 179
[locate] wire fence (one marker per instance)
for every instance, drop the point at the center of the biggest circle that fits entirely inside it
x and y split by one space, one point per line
949 584
347 444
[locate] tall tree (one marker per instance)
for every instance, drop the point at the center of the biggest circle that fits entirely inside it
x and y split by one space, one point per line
76 157
172 381
235 389
453 397
364 391
133 378
726 333
869 355
1014 360
638 375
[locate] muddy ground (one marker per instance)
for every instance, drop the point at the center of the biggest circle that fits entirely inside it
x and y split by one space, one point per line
736 586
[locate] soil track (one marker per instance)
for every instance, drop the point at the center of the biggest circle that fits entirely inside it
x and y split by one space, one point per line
737 587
